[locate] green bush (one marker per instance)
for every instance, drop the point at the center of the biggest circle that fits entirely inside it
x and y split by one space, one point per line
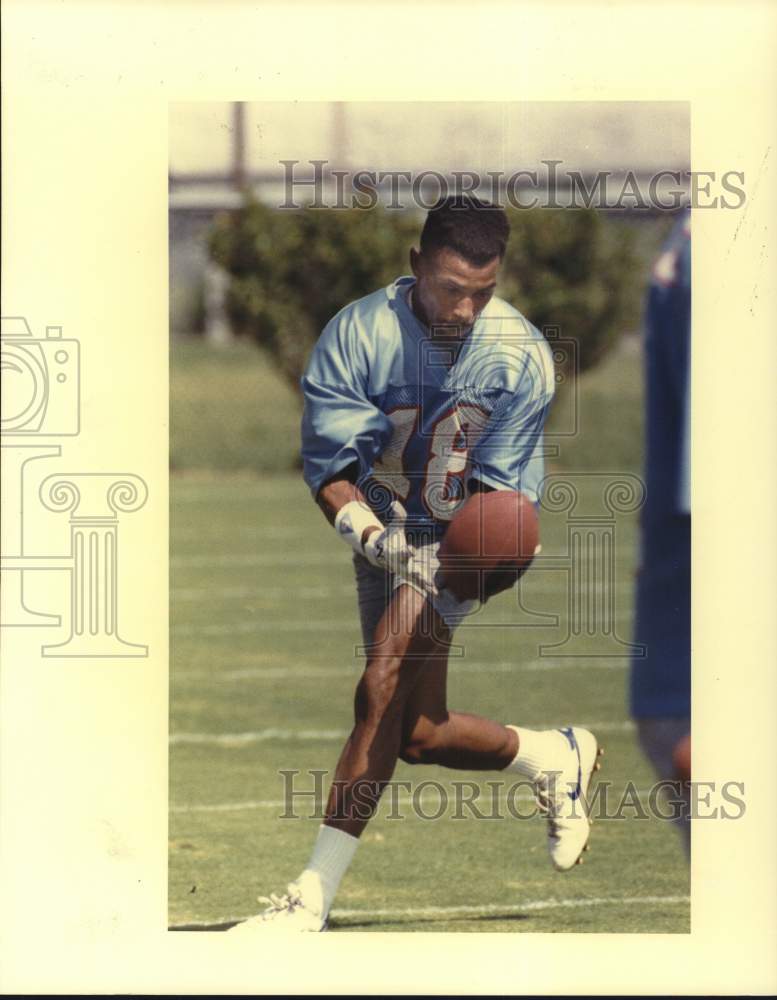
576 270
292 271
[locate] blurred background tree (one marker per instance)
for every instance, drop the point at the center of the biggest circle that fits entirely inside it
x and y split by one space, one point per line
291 271
576 270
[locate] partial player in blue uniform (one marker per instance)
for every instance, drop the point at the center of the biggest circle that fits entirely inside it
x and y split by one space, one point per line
416 396
661 681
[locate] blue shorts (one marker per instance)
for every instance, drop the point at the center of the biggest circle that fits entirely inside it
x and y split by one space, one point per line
375 587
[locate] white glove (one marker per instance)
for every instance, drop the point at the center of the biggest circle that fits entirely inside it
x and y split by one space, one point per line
422 568
390 550
386 547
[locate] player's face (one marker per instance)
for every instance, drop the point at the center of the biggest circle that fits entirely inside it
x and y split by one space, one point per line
450 291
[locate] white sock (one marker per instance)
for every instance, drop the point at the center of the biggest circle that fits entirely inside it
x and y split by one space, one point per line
332 854
538 750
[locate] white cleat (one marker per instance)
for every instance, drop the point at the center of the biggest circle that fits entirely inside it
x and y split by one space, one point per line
562 794
285 914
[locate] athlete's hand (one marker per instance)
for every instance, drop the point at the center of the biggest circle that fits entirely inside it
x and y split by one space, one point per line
422 569
389 549
384 546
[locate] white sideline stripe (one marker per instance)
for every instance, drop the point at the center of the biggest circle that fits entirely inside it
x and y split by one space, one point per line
536 904
235 491
277 559
259 736
263 735
237 531
247 559
300 625
239 593
273 624
228 593
292 673
507 909
230 806
400 800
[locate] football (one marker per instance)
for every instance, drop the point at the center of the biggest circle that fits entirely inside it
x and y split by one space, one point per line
681 757
490 542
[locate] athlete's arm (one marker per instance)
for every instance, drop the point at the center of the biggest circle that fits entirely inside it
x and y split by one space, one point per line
343 433
340 490
385 546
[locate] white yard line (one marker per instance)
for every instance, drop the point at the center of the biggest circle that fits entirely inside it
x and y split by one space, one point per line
225 807
207 594
489 908
455 667
235 531
302 624
237 490
257 736
267 624
537 904
326 735
284 559
249 559
393 800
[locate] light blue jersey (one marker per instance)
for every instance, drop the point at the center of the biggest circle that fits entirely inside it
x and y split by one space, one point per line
421 414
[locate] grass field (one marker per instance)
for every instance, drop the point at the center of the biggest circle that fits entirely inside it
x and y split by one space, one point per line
264 629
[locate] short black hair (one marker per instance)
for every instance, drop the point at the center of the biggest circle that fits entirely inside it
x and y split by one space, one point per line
474 229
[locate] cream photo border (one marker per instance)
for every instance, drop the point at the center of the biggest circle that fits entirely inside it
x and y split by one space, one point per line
83 750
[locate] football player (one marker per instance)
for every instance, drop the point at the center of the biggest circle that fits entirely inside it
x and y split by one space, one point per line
415 396
661 680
